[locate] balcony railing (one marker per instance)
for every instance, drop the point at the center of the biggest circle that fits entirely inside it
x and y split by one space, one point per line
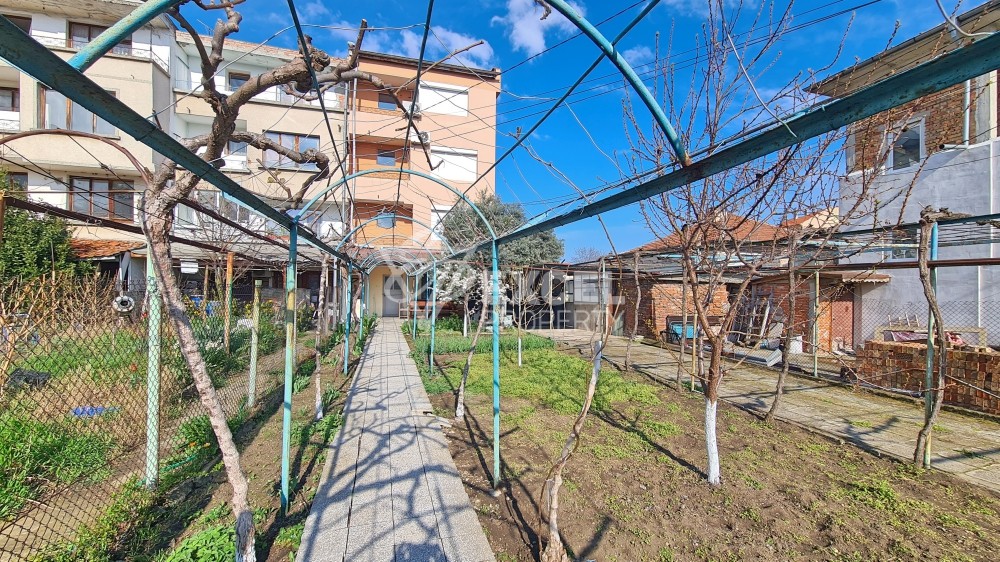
125 50
10 121
333 100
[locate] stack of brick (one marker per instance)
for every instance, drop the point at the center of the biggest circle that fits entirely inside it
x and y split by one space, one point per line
903 365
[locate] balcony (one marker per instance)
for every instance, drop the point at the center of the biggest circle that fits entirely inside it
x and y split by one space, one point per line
10 121
126 50
333 100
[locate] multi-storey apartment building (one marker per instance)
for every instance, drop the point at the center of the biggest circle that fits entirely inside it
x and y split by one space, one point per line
454 109
940 151
157 72
83 175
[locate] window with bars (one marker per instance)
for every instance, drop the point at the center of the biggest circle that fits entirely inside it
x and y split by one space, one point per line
102 198
292 141
59 112
81 34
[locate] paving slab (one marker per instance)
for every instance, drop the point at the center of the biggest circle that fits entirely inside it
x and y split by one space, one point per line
390 491
966 446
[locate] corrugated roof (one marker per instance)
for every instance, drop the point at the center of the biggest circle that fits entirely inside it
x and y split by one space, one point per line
90 249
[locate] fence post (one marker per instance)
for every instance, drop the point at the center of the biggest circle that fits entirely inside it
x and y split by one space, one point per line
434 288
496 366
228 318
815 320
152 376
286 412
254 341
347 316
929 373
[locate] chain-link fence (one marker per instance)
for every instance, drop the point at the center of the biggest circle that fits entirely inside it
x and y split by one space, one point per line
78 394
871 330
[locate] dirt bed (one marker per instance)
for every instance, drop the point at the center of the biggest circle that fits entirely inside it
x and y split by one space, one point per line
635 489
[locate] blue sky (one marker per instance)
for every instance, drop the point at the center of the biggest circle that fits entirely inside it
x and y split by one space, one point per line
581 140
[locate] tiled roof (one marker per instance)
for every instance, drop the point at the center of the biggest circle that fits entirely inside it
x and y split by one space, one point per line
90 249
740 228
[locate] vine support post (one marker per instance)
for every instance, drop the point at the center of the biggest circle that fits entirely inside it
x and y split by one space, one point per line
929 366
496 365
416 288
254 342
347 316
152 376
434 288
286 410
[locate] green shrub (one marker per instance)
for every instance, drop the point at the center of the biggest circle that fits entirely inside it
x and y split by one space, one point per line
451 323
33 452
215 544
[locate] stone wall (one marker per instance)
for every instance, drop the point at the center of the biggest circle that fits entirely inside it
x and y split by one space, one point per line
903 364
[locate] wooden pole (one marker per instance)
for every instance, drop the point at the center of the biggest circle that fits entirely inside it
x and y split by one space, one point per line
228 314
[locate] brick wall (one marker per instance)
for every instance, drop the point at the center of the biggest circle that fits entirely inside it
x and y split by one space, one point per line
659 300
944 116
902 365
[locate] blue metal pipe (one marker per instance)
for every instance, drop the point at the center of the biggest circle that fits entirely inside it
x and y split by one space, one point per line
413 315
626 69
286 408
42 64
496 366
335 184
929 371
347 317
947 70
526 134
434 294
123 28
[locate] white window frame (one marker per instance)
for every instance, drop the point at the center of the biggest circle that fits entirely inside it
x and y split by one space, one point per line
450 170
891 135
455 99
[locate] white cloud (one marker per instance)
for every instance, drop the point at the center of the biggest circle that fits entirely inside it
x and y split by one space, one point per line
448 41
527 31
313 10
638 55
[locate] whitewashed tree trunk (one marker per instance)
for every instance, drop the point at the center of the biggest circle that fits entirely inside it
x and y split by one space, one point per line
711 442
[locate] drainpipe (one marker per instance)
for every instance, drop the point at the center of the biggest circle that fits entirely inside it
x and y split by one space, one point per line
967 102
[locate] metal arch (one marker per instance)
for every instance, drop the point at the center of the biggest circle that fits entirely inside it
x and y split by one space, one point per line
625 68
395 216
417 173
412 239
374 260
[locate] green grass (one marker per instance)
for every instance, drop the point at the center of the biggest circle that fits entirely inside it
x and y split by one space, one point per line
211 545
455 343
34 452
554 379
110 357
661 429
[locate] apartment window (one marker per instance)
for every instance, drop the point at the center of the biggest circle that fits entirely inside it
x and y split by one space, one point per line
103 198
903 237
236 155
17 181
455 164
443 98
80 34
907 146
220 203
10 99
385 220
437 217
21 22
237 79
58 112
386 157
292 141
386 102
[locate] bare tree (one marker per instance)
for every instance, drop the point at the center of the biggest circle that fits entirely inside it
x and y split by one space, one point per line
585 254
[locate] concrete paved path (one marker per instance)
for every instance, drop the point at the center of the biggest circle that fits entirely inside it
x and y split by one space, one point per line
964 445
390 490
